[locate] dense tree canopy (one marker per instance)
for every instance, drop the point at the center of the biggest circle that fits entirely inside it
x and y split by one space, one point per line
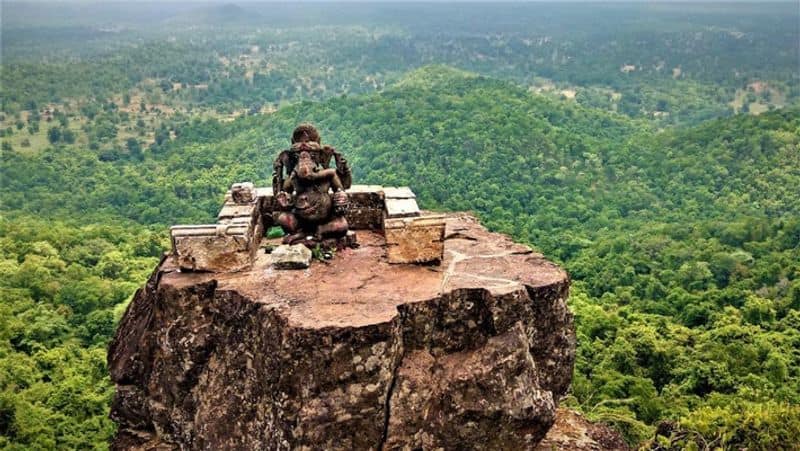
659 164
684 244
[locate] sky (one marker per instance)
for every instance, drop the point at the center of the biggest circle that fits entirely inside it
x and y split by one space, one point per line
392 1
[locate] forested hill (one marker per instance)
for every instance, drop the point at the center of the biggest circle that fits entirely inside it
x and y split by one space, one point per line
684 244
463 142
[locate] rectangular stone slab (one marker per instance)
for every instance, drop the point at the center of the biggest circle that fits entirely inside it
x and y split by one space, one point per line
214 247
232 210
366 207
402 192
264 199
365 189
415 240
401 208
264 191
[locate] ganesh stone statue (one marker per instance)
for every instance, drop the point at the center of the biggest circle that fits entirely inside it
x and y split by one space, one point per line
310 198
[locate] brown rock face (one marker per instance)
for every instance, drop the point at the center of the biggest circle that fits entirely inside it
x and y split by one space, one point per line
353 354
573 432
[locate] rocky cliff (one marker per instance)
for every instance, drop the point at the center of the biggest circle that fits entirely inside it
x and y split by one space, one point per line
354 353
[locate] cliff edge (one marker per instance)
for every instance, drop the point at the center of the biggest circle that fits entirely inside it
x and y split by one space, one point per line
354 353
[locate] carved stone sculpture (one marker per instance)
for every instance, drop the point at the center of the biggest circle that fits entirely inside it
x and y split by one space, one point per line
310 200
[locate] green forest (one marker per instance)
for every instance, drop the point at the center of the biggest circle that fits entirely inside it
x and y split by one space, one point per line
656 158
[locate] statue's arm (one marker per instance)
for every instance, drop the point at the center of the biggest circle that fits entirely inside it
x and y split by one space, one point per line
342 169
277 175
280 185
278 171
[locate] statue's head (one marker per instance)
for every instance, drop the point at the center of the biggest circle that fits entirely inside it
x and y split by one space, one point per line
305 132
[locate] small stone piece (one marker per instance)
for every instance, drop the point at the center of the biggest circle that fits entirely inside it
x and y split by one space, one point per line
295 256
415 240
338 244
243 193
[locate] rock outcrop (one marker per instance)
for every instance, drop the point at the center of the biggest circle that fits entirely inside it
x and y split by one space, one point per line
573 432
354 353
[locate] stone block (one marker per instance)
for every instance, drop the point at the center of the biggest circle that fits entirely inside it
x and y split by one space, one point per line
366 207
231 210
214 247
264 198
243 193
264 195
415 240
364 218
296 256
402 192
401 208
365 189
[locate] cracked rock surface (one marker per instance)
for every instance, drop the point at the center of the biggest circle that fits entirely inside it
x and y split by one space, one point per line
350 354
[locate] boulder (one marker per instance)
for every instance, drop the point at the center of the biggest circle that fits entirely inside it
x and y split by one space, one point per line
296 256
354 353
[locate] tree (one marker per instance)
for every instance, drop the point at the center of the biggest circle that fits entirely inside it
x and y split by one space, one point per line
134 148
54 135
68 136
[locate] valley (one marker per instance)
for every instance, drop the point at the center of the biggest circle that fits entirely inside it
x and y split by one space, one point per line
655 156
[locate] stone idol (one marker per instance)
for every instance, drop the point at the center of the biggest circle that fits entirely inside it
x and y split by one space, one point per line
310 197
313 202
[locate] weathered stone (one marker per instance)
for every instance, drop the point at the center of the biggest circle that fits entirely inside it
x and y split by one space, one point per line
243 193
263 193
353 354
366 207
401 208
214 247
232 210
472 399
574 432
415 240
368 190
295 256
402 192
266 203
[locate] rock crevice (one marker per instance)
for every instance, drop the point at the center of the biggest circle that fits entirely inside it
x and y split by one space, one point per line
355 354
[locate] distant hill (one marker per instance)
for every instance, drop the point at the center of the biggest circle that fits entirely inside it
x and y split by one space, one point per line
216 14
467 142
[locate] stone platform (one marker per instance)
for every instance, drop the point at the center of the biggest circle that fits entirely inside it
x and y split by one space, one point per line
354 353
231 244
